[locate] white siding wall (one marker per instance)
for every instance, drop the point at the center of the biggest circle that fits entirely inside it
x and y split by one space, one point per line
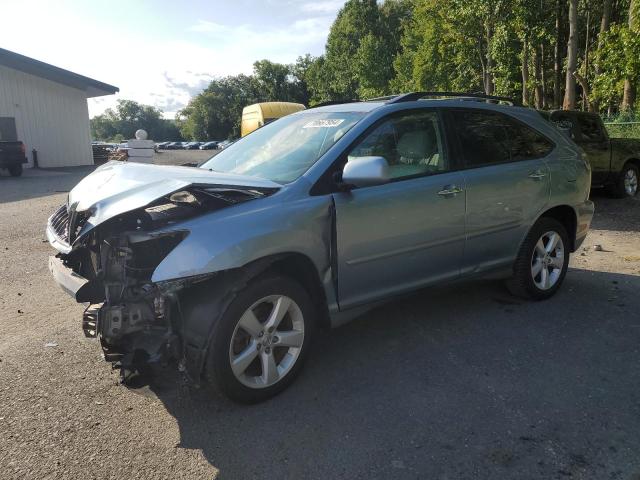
50 117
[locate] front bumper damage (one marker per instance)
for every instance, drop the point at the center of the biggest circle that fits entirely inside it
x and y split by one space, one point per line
118 226
136 321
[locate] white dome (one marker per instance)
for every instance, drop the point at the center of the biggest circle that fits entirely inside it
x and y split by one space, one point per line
141 134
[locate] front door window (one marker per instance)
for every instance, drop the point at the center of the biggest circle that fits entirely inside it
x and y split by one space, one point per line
411 143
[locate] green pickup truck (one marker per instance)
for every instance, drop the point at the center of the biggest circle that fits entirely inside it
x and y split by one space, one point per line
615 162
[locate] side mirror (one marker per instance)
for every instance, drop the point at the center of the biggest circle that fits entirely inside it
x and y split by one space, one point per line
366 171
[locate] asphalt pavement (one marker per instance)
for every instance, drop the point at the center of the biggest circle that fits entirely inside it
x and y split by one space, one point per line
454 382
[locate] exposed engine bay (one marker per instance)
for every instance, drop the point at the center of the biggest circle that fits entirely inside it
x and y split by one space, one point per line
136 320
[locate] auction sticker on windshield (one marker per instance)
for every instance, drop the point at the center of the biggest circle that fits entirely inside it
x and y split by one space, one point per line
324 123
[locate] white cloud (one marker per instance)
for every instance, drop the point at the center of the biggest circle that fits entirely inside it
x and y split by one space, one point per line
159 67
329 6
207 26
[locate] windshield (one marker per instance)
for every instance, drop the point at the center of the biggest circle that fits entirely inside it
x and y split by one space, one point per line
283 150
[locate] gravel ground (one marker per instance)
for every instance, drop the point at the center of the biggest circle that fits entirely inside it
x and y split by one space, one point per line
457 382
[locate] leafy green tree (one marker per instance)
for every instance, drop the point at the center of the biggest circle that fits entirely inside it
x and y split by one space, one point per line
272 80
516 48
373 60
215 114
319 82
355 21
300 71
361 47
440 50
129 116
619 60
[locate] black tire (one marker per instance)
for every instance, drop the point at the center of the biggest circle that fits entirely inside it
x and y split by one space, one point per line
522 283
618 189
15 170
218 370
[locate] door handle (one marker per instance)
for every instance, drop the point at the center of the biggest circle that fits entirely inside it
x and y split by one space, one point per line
450 190
537 175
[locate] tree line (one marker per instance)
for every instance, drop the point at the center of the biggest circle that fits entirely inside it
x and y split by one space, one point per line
549 54
120 123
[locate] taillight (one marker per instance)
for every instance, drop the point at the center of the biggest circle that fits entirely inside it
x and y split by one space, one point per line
23 148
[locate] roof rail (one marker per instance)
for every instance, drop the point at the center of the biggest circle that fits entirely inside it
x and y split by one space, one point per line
334 102
384 98
413 96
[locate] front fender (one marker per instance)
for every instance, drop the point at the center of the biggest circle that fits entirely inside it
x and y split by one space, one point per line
233 237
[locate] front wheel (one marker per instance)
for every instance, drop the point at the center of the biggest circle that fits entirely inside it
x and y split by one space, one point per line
542 261
260 341
627 182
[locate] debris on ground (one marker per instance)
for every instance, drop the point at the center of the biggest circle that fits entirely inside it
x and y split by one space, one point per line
50 344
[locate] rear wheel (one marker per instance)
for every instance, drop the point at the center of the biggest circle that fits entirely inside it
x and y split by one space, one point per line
542 261
15 170
627 182
260 341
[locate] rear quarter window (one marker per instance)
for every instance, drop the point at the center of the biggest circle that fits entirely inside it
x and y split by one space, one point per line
527 143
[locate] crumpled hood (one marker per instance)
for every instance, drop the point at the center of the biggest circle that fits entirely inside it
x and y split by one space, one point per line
118 187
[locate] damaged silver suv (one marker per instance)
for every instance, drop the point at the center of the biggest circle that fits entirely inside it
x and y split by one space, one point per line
229 268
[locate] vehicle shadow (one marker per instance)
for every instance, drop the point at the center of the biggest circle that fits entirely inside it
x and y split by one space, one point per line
622 214
462 382
35 183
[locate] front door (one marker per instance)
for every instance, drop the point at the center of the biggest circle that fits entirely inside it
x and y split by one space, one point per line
399 236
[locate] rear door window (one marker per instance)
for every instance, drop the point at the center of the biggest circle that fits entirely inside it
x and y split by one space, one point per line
488 138
482 136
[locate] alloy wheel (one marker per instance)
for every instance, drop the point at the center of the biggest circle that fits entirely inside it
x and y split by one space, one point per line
267 341
547 260
631 182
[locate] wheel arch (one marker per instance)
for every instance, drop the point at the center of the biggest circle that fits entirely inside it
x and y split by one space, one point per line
568 217
301 268
633 161
198 301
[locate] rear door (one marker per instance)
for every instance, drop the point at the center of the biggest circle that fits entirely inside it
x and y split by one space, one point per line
506 181
396 237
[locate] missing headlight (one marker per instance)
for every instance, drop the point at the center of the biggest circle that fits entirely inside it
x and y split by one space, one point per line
145 255
185 197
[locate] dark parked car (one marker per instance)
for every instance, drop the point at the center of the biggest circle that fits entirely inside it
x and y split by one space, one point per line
174 146
192 145
12 156
162 145
209 145
615 162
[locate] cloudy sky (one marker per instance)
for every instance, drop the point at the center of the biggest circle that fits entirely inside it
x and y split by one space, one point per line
163 52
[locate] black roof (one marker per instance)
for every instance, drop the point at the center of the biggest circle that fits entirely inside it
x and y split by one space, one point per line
92 87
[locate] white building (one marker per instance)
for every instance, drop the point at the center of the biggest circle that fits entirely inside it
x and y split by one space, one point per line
46 108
